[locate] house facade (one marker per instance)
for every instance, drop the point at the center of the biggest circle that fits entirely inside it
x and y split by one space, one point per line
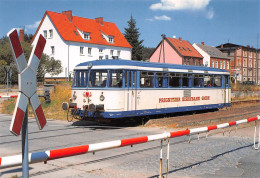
176 51
74 40
212 57
245 62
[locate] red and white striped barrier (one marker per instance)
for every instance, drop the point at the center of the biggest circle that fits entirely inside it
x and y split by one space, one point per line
10 161
11 96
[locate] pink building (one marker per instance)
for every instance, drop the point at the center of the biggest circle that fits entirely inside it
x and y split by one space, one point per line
176 51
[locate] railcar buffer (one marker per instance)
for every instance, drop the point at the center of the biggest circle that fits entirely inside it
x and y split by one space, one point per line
27 82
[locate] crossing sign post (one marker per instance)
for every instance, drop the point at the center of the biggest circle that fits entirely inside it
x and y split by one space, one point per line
27 91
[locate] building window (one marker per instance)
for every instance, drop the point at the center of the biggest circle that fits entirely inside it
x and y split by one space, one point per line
51 33
101 50
118 54
81 50
216 64
45 34
100 57
221 65
111 52
110 39
212 63
224 64
52 50
89 51
86 36
227 65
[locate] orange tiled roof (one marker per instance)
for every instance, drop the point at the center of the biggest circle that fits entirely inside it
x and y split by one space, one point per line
69 30
184 47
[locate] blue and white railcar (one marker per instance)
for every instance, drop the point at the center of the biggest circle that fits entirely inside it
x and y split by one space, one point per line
122 88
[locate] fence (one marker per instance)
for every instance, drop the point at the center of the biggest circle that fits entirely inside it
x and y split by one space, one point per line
10 161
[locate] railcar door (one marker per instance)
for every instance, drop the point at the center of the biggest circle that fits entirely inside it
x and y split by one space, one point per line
226 90
131 91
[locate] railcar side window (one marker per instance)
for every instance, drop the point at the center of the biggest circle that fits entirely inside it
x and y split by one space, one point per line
198 81
116 79
146 79
98 78
208 80
159 77
217 81
185 80
174 80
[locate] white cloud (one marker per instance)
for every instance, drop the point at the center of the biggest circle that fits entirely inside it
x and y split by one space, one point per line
162 17
210 13
180 5
32 26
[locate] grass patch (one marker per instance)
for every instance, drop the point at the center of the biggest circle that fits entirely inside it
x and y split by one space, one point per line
53 110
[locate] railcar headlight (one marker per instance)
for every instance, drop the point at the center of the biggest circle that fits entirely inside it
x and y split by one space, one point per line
102 98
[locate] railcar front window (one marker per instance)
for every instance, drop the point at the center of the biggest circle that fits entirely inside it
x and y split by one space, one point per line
80 79
98 78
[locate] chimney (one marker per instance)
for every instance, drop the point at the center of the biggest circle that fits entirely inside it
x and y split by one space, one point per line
180 38
202 43
99 20
68 14
21 35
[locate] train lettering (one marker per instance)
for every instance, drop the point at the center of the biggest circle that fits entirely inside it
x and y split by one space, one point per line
164 100
205 98
178 99
190 98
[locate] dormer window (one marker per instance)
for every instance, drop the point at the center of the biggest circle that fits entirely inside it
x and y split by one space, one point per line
86 36
111 39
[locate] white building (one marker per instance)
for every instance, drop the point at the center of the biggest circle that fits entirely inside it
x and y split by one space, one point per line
74 40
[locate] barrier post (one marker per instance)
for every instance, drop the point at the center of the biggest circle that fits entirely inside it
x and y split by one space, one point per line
256 147
168 156
161 156
25 145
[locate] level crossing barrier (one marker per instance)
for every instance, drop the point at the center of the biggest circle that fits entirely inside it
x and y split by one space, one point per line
11 96
16 160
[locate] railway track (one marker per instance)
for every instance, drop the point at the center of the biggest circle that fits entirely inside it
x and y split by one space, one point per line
197 118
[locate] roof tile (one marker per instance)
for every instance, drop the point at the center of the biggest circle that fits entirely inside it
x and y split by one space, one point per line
184 47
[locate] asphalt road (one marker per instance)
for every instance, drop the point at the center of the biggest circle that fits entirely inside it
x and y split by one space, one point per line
219 156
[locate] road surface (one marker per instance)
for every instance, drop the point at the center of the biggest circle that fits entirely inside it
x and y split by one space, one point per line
218 156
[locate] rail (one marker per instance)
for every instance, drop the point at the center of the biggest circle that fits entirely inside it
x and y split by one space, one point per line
44 156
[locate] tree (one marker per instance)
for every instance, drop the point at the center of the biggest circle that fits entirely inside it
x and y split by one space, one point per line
132 35
147 52
47 64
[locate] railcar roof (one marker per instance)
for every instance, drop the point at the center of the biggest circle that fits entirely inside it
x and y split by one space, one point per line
146 64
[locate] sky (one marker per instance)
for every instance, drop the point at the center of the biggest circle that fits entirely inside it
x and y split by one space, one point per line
214 22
